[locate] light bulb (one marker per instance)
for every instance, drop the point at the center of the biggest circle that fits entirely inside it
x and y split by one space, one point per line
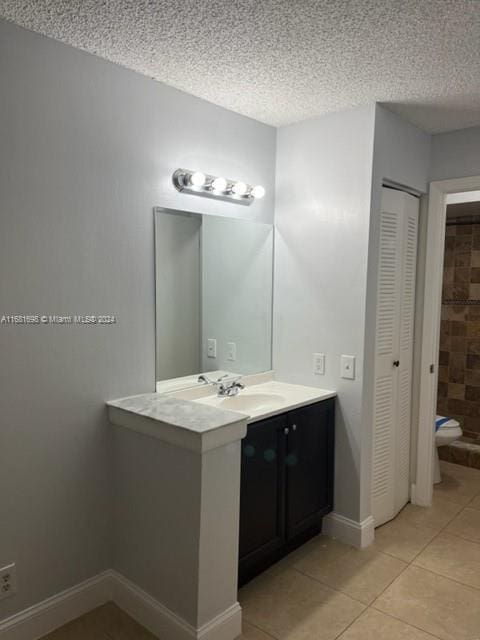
219 184
258 191
239 188
197 179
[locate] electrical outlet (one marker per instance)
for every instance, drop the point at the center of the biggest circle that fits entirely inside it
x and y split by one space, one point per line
319 364
231 351
8 581
211 348
347 367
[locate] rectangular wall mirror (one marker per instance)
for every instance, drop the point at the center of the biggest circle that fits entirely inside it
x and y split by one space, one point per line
214 281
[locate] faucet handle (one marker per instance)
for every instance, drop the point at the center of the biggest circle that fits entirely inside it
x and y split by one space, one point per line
206 380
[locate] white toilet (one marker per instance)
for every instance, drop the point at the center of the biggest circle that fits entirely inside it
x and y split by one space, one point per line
447 430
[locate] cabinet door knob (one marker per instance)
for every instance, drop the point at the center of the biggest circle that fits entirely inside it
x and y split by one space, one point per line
396 363
294 427
286 431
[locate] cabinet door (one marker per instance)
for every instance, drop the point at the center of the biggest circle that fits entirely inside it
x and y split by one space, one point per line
262 497
309 467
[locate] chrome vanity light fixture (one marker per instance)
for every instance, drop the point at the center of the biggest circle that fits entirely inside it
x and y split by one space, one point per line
202 184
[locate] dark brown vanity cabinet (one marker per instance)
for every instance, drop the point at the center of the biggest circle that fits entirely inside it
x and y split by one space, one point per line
286 484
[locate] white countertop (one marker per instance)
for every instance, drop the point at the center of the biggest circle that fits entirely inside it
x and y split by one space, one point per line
186 424
199 420
259 401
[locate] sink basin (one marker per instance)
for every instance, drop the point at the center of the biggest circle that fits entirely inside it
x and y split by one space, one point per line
259 400
246 401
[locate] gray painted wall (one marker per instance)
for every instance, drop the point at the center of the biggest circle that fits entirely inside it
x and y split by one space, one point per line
455 154
324 175
401 152
401 155
87 149
329 180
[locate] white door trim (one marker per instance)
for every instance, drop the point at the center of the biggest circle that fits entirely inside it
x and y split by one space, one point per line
422 488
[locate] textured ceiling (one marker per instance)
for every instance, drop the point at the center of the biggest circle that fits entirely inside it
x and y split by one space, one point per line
282 61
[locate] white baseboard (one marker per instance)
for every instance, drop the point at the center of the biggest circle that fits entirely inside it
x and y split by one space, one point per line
225 626
36 621
165 623
356 534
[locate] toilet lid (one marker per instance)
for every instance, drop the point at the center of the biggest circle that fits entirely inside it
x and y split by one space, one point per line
444 423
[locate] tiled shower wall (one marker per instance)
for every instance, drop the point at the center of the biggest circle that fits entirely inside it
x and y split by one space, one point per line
459 370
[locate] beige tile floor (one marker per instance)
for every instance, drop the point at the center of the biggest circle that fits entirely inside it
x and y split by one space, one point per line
419 581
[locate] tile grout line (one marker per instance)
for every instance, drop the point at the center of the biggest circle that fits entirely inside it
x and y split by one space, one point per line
473 498
449 533
417 554
371 605
441 575
438 532
351 623
407 565
410 564
409 624
324 584
252 624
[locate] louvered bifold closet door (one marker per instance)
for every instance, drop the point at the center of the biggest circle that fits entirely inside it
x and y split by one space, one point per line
387 329
394 335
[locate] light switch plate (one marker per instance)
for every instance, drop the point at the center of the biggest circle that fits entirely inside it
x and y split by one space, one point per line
347 367
319 364
211 348
231 351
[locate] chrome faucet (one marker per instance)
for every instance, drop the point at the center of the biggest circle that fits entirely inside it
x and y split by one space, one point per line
226 386
231 387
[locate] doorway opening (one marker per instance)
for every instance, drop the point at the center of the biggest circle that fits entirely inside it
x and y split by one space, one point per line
457 435
428 321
